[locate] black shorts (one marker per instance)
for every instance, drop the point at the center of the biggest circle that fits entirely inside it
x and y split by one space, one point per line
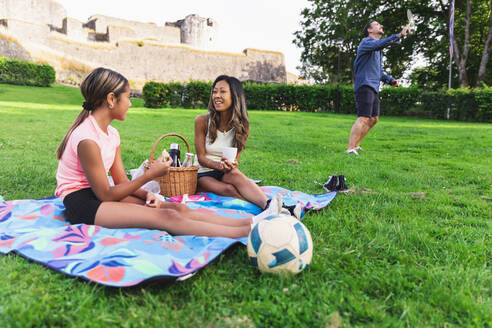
81 206
217 175
367 101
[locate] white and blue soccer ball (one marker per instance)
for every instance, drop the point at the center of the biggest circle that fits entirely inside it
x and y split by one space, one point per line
280 244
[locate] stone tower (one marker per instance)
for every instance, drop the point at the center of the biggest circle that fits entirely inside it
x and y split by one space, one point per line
196 31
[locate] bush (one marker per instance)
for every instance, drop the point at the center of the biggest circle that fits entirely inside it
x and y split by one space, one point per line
157 95
464 104
435 103
23 72
483 98
196 94
290 97
398 101
347 99
151 93
259 96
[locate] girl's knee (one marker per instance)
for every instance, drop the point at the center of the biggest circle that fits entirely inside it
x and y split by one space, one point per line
170 214
180 208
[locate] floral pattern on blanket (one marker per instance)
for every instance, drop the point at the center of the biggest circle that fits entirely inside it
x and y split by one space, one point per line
37 230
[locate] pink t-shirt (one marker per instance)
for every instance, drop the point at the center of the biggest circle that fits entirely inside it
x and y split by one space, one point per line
70 175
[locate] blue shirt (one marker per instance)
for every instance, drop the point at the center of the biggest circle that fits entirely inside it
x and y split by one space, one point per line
368 66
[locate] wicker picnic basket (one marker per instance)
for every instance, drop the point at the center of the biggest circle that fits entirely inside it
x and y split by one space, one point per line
179 180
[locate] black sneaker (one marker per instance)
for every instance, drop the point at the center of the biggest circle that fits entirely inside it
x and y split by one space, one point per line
286 208
341 183
293 210
331 184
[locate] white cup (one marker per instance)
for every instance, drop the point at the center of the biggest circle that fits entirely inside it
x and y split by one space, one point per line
230 153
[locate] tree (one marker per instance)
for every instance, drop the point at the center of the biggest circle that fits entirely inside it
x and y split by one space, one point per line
472 25
486 50
332 29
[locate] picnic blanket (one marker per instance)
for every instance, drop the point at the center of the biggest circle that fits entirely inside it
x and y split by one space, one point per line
37 230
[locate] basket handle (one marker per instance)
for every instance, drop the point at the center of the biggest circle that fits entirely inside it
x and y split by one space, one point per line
151 158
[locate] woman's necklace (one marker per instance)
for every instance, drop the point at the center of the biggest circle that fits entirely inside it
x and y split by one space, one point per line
224 132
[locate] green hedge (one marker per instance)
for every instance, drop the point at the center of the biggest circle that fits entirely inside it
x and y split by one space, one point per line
285 97
194 94
307 98
483 98
23 72
398 101
434 103
464 104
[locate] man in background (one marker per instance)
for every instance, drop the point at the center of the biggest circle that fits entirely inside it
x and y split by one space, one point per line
369 73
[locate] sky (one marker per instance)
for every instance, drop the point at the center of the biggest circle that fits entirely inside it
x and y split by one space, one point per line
260 24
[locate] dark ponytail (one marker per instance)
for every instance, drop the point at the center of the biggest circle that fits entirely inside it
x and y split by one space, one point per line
95 87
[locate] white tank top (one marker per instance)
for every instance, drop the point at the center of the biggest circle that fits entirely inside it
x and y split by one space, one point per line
214 150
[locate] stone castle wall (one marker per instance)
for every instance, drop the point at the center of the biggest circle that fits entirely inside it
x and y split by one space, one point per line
140 51
145 61
45 12
11 48
136 30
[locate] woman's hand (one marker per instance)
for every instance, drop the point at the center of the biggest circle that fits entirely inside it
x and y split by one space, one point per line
152 200
227 165
159 167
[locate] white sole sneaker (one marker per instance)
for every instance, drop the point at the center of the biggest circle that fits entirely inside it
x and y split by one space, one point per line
274 208
294 211
352 152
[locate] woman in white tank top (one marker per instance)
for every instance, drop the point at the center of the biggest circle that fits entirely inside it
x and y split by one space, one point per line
225 125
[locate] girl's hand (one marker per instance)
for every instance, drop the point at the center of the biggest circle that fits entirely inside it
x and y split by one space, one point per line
159 167
152 201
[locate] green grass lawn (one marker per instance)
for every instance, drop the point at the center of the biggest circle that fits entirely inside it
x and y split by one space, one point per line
411 246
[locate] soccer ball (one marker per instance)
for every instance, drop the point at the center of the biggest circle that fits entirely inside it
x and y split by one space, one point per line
280 244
